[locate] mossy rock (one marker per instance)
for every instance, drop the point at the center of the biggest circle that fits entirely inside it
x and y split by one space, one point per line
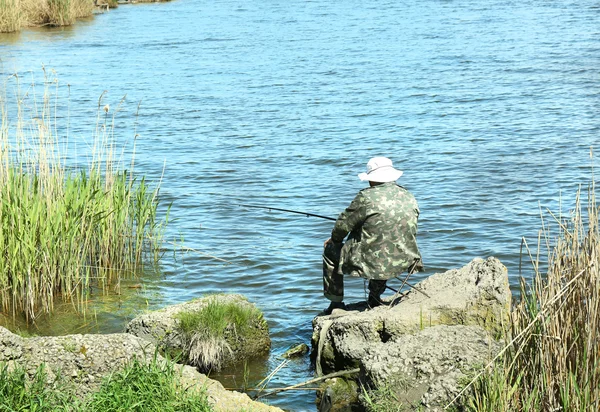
210 333
338 395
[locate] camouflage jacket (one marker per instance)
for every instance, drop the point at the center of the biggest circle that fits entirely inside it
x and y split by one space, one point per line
382 222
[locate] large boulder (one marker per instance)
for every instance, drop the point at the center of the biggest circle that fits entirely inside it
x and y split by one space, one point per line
423 344
84 360
162 327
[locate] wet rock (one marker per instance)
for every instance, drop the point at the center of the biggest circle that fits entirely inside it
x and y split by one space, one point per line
338 395
161 327
427 343
296 351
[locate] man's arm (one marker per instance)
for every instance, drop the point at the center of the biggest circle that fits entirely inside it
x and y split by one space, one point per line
349 219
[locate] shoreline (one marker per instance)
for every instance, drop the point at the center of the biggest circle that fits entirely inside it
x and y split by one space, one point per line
17 15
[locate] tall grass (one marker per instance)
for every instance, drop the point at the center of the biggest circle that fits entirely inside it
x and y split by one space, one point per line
60 13
65 229
11 16
82 8
16 14
553 361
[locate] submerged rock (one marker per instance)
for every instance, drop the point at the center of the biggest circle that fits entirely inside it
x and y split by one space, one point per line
296 351
419 348
162 327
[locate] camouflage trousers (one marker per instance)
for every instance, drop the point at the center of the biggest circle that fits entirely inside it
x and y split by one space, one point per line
333 280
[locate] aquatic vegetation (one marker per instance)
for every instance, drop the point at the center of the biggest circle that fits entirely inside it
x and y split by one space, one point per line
66 229
82 8
206 330
11 16
17 14
551 361
60 13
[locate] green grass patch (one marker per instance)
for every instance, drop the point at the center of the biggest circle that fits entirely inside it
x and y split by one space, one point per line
20 393
206 331
138 387
384 396
147 387
217 317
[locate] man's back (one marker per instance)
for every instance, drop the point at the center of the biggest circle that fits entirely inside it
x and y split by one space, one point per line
384 229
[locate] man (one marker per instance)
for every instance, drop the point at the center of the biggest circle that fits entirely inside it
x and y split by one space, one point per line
382 222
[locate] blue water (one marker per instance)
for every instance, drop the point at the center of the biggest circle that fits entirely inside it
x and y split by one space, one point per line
489 107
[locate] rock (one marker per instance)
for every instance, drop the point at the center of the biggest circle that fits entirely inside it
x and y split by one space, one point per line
84 360
425 368
426 343
220 398
296 351
337 395
11 345
161 327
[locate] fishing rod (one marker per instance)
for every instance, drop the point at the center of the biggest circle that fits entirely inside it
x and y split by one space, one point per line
289 211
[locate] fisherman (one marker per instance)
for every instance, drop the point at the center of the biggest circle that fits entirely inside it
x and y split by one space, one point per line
382 223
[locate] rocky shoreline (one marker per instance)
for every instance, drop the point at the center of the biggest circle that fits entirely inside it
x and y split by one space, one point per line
83 361
421 347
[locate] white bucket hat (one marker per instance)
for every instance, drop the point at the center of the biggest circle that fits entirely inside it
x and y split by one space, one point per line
380 170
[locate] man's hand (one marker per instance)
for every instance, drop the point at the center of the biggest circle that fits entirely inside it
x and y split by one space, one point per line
328 241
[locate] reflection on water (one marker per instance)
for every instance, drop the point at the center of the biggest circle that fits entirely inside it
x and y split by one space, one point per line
489 107
105 312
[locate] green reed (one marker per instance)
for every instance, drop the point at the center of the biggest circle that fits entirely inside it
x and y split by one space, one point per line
553 360
65 230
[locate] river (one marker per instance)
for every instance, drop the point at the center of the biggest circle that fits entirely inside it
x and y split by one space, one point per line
489 107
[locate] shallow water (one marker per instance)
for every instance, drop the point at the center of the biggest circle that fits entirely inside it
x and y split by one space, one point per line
489 107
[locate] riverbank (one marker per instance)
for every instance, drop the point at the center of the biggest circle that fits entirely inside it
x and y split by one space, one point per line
94 371
16 15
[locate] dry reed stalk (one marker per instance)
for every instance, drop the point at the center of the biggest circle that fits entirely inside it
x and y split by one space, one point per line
54 12
11 17
60 13
208 352
82 8
553 361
